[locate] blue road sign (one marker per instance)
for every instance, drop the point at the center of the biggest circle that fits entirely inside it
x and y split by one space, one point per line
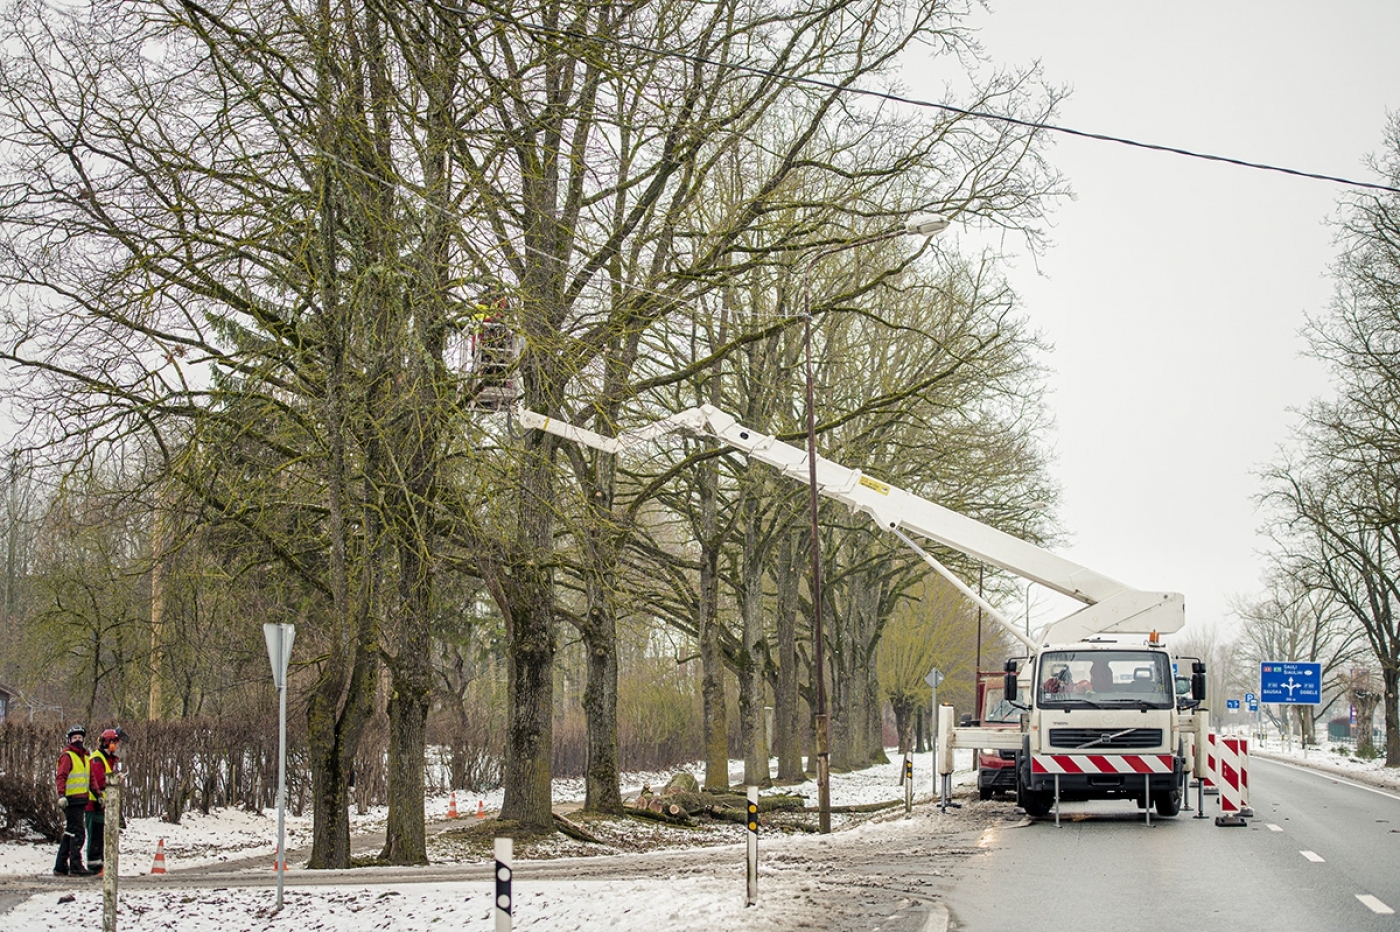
1254 707
1232 705
1290 683
1250 698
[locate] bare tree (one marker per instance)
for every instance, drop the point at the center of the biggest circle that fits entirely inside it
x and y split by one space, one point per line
1298 621
1337 499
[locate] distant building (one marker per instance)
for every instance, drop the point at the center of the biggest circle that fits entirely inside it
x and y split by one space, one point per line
6 697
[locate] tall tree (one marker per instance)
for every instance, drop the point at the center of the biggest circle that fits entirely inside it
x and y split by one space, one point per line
1337 499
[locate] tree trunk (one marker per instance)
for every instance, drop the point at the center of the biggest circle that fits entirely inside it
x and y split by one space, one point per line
404 836
752 728
335 723
787 713
707 623
1390 676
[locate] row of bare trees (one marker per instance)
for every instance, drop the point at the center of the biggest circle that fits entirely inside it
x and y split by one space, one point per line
1333 497
245 242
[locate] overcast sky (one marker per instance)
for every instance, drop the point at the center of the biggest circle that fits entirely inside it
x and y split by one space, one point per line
1175 289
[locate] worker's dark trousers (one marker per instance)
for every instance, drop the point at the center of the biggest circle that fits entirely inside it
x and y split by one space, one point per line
70 849
96 838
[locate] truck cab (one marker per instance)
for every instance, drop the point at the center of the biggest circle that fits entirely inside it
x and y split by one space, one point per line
1102 723
996 767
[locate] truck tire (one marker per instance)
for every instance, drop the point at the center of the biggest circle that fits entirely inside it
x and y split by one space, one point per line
984 792
1037 805
1168 803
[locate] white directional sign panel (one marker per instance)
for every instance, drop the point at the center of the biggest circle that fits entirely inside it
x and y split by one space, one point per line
1290 682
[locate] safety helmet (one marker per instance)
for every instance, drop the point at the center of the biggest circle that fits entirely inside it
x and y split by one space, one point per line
110 735
77 730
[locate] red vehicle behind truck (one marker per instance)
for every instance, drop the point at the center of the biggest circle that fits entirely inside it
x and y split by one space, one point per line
996 769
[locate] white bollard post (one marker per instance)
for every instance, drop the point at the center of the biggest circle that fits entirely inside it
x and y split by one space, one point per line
505 854
752 824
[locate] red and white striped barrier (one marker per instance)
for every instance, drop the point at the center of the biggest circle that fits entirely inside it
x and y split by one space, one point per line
1101 763
1231 762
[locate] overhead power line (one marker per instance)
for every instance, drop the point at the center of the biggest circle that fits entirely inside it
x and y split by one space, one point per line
934 105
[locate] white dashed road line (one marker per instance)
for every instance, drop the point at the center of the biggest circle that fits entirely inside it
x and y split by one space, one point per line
1375 905
1313 856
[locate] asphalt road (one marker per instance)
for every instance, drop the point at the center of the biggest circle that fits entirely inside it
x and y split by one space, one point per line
1321 853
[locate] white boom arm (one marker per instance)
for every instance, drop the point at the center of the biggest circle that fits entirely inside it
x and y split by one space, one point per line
1111 607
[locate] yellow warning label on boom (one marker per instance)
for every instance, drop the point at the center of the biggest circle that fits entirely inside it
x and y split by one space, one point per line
875 484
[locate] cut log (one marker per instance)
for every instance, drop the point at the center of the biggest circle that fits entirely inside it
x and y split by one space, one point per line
647 815
575 831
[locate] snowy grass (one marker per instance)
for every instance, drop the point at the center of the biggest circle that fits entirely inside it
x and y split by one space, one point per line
696 899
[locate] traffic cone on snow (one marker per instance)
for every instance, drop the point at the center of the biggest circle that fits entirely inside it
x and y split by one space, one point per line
158 866
480 809
279 860
452 807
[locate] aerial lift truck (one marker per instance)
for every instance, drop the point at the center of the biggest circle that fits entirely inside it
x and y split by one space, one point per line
1101 717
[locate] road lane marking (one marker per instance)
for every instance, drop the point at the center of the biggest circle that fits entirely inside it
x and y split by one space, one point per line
1375 905
1313 856
1328 775
1274 828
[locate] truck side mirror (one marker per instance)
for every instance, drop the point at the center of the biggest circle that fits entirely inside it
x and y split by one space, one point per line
1198 681
1008 689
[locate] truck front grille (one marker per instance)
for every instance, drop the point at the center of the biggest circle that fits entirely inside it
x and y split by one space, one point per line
1071 738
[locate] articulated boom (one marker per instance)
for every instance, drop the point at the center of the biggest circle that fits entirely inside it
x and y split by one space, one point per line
1111 607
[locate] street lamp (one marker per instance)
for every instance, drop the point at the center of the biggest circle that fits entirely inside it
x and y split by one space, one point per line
918 226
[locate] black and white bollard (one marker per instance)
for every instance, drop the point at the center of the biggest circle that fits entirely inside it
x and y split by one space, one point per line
751 823
505 854
908 783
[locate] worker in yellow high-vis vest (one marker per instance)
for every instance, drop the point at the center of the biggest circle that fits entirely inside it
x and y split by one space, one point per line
72 786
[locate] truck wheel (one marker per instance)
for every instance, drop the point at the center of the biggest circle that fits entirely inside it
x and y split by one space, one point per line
1168 804
984 792
1037 805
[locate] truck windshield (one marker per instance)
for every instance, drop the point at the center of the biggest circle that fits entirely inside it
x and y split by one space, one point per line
997 708
1105 678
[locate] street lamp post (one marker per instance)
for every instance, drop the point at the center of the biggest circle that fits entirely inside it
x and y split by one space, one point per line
919 226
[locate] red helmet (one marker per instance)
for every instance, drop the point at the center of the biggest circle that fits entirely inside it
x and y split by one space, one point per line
111 734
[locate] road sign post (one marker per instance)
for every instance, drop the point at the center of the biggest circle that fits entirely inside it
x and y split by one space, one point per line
279 650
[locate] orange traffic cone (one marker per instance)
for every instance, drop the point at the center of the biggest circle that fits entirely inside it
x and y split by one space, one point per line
452 807
158 866
279 860
480 809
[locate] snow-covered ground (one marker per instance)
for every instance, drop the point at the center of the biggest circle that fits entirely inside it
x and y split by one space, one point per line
693 899
690 900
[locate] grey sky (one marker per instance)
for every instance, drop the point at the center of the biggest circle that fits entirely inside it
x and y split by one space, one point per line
1175 290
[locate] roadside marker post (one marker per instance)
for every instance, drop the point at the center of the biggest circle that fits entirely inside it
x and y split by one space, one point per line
908 783
505 855
751 823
